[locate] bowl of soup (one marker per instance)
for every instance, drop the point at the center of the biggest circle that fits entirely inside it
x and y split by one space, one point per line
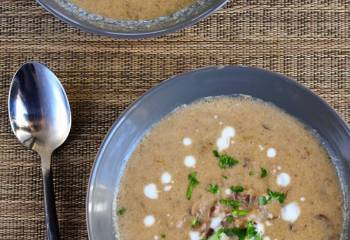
223 153
131 18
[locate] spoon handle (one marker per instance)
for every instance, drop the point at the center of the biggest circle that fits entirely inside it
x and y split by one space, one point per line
50 206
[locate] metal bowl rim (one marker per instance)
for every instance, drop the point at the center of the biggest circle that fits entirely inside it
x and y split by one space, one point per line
130 35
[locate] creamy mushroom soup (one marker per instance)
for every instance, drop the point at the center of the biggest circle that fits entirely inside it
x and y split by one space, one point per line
132 9
229 168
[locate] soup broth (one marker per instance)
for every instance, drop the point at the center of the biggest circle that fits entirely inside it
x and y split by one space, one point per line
229 168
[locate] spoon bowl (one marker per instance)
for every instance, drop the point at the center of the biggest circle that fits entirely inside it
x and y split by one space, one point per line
40 117
39 111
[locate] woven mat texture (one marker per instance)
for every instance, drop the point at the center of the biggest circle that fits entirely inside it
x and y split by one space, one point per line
307 40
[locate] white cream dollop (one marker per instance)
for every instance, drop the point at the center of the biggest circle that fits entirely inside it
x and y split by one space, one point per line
190 161
151 191
187 141
194 235
149 220
260 228
283 179
215 222
166 178
223 141
290 212
271 152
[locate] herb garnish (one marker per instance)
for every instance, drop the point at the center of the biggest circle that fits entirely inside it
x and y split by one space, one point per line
224 177
121 211
213 188
225 161
276 195
237 189
252 233
231 203
239 213
192 183
195 222
217 235
229 219
247 233
271 195
263 172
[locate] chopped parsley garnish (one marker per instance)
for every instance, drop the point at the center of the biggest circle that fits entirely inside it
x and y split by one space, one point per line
195 222
239 213
224 177
252 233
263 172
263 200
192 183
276 195
271 195
217 235
247 233
225 161
239 232
237 189
121 211
251 173
213 188
231 203
229 219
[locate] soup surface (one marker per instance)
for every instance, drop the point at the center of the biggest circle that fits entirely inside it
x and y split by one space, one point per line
132 9
229 168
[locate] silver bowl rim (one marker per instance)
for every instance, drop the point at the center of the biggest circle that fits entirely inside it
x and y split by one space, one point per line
121 118
82 25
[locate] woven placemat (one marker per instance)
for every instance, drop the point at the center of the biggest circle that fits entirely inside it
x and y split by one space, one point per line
307 40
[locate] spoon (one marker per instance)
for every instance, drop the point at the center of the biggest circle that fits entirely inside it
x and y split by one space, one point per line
40 118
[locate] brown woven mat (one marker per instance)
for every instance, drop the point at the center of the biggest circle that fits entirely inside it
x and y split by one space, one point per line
307 40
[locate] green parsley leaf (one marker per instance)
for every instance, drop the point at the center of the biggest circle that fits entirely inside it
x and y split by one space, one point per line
239 213
213 188
231 203
217 235
121 211
229 219
271 195
276 195
263 172
262 200
239 232
252 234
195 222
225 161
237 189
224 177
192 183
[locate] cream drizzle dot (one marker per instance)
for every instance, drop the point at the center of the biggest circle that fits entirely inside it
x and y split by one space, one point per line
187 141
190 161
194 235
166 178
283 179
149 220
271 152
150 191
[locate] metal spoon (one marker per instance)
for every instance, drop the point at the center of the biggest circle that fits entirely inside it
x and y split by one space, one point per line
40 118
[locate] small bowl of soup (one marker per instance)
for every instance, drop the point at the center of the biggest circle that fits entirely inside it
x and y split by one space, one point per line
131 18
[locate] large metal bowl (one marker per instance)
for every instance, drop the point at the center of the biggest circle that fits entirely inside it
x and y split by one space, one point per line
131 126
90 22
